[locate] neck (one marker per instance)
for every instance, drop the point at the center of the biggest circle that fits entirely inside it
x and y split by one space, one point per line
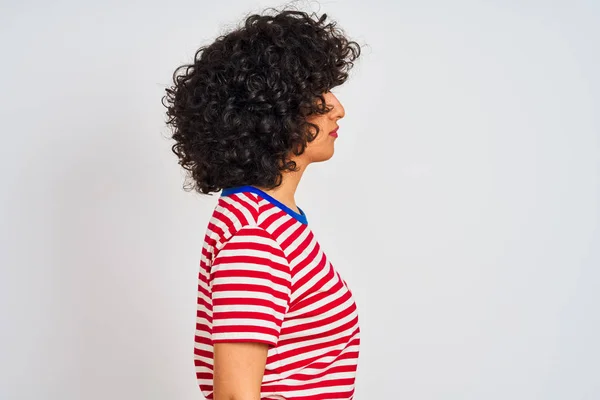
286 191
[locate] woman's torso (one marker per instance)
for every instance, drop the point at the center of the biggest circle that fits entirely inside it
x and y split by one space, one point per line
316 351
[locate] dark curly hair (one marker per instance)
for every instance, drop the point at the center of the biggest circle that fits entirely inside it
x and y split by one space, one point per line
241 108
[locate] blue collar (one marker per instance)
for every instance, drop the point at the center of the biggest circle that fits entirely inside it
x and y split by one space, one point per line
247 188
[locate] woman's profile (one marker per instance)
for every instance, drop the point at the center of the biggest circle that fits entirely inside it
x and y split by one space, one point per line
275 320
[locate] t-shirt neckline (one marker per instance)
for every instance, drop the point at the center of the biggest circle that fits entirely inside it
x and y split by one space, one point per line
301 217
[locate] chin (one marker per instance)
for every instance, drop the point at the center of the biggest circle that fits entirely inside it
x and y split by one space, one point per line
325 157
323 154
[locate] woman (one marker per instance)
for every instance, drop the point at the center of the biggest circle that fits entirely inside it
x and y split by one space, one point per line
274 320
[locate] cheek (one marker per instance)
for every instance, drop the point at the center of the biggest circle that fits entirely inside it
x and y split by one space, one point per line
321 141
321 148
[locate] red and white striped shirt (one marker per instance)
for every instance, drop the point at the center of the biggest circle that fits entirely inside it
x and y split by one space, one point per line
264 278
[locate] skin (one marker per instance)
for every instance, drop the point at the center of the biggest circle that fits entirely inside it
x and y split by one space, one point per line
238 370
239 367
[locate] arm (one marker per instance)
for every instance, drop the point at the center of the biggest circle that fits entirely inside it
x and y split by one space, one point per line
238 370
251 285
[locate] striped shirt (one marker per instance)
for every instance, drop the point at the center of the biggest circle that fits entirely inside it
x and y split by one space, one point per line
264 278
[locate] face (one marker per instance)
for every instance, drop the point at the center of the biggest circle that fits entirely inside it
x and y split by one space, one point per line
321 148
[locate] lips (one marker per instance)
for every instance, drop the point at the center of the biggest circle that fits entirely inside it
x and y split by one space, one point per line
334 132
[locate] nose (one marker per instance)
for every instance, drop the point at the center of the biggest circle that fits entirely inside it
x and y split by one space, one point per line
338 111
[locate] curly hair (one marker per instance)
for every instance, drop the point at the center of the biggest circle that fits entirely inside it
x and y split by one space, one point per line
240 109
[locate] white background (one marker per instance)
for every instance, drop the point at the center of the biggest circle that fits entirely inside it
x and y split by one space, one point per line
461 205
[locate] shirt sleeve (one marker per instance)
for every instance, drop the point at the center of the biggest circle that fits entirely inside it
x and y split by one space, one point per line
250 288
